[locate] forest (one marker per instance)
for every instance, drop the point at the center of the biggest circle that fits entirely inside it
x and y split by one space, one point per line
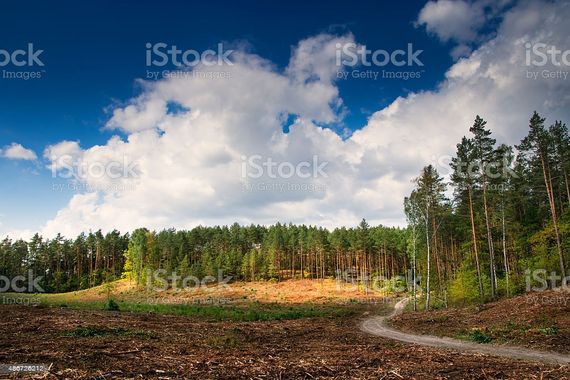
247 253
472 237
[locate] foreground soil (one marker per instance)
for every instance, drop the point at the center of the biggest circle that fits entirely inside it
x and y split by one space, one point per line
105 345
539 321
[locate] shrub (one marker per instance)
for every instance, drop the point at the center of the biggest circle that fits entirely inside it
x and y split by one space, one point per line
112 305
479 336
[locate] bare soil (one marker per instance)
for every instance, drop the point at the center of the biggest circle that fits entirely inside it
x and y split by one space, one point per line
106 345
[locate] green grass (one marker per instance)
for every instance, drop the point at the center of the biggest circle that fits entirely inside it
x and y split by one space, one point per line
254 311
112 305
477 336
548 330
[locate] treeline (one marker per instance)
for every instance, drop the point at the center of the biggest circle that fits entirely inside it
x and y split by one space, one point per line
277 252
247 253
509 214
65 264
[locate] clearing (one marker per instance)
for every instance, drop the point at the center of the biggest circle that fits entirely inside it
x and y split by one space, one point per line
82 341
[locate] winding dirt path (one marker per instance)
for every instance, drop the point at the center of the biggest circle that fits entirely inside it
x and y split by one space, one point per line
377 326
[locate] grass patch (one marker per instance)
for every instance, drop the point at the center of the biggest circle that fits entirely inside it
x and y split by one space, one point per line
231 339
253 311
479 336
475 335
112 305
85 332
548 331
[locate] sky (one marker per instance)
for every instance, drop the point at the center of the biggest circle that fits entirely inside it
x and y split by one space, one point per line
101 129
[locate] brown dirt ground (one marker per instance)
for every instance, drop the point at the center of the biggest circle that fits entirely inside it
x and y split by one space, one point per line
540 321
166 346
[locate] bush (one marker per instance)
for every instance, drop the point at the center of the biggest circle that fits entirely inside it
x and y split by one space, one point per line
479 336
112 305
465 287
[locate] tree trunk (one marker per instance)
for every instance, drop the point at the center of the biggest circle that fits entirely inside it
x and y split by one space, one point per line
548 183
506 261
428 260
489 241
414 265
474 235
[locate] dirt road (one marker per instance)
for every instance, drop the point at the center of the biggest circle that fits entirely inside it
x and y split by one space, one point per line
377 326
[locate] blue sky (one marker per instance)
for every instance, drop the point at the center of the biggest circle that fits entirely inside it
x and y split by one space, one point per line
95 52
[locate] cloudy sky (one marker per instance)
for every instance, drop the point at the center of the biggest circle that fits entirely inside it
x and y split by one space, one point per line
294 126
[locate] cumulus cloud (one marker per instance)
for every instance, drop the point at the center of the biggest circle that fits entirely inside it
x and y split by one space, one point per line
187 168
16 151
461 21
457 20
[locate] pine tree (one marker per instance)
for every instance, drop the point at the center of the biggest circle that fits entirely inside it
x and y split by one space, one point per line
537 145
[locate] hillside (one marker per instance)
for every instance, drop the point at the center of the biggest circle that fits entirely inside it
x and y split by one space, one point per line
540 321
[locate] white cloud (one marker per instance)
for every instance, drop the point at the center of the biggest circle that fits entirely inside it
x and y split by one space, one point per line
189 163
464 22
16 151
457 20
